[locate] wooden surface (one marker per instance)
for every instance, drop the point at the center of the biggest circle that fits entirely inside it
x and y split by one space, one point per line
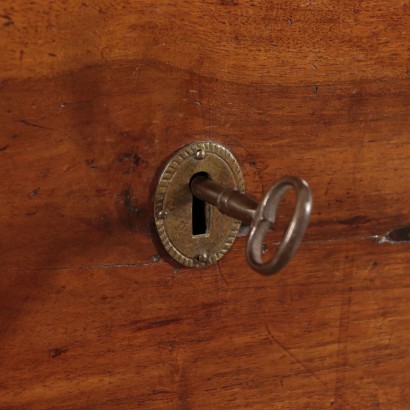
332 332
94 97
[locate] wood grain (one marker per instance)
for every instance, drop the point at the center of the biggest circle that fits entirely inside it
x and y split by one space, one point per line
95 96
332 332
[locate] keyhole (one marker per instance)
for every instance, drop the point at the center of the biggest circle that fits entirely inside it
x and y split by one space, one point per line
200 213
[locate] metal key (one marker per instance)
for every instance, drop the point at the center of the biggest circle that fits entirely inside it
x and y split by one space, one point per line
261 216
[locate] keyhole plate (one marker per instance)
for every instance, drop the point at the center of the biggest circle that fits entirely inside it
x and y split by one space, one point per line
173 205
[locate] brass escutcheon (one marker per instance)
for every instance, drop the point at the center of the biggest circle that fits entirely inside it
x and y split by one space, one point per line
174 204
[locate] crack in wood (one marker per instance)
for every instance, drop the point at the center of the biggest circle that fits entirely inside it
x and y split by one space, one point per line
400 234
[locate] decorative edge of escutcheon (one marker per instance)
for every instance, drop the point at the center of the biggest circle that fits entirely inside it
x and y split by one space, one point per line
166 176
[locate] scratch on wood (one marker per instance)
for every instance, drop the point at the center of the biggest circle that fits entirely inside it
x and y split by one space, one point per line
102 266
274 340
151 324
221 274
58 351
328 185
112 265
31 124
356 220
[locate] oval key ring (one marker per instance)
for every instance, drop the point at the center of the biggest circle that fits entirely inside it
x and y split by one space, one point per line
265 217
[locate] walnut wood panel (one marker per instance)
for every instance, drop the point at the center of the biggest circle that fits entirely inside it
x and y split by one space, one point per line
95 96
331 332
79 177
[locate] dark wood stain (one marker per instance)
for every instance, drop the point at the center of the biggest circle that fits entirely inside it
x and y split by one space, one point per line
400 234
58 351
